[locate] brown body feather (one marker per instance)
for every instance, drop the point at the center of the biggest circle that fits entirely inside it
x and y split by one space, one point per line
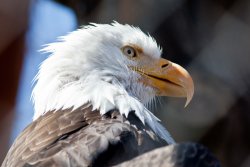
81 137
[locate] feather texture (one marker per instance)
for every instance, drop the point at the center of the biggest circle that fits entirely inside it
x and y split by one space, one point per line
79 137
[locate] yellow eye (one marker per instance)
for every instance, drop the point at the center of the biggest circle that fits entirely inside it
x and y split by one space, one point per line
129 51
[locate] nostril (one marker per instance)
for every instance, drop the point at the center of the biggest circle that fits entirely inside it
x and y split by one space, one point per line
164 65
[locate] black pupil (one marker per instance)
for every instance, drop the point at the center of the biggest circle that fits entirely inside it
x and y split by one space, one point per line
129 51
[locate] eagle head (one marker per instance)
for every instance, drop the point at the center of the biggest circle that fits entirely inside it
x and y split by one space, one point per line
108 66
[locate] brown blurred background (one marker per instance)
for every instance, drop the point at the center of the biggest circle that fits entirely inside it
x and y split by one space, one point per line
211 38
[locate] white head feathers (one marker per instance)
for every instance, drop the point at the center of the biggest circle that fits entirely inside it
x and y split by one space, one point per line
87 66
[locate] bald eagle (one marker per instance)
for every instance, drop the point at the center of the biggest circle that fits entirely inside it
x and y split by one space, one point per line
91 96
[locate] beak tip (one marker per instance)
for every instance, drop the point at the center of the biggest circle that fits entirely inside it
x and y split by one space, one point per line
187 102
189 96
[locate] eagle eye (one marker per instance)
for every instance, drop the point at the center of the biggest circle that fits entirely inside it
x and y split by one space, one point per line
129 51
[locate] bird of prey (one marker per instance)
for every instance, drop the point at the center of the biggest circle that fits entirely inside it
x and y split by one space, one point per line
91 96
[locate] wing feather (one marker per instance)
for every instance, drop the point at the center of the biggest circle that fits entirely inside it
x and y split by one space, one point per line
80 137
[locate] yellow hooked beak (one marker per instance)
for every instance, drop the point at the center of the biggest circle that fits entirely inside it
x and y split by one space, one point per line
168 79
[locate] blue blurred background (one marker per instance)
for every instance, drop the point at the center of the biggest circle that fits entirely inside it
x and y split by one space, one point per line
211 38
48 20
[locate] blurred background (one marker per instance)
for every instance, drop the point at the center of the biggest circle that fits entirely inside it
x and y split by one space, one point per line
211 38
